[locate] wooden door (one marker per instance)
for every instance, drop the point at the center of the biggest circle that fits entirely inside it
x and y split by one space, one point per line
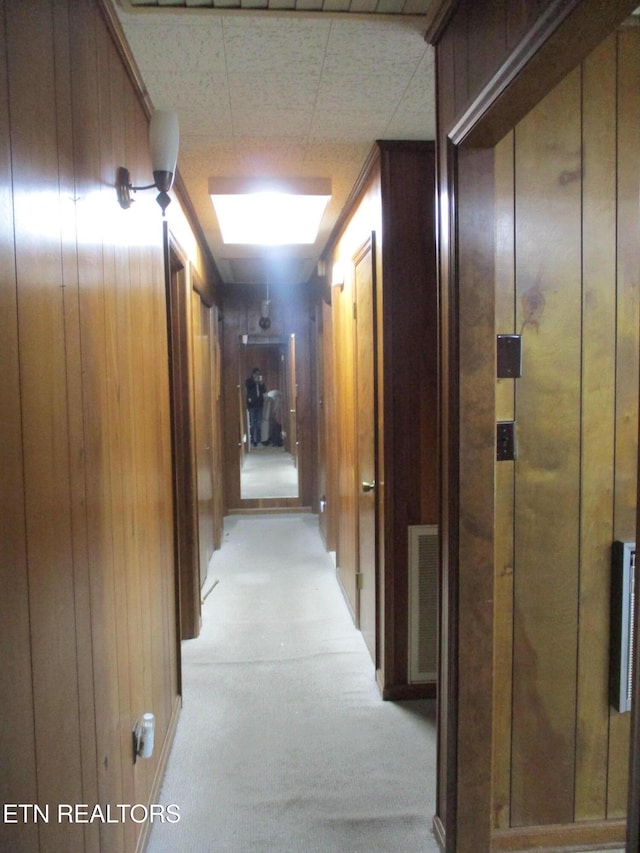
184 468
293 397
366 441
204 409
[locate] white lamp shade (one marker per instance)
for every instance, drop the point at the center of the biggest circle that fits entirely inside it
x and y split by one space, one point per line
164 138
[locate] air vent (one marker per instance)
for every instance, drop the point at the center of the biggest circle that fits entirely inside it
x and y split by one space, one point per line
622 622
423 603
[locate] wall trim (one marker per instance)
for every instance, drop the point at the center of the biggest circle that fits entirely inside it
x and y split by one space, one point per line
373 158
542 58
583 835
400 692
438 18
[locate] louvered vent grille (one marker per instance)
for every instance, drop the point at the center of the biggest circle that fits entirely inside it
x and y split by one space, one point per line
423 598
622 625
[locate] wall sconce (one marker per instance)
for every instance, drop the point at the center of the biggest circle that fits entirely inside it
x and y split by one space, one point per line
164 137
265 310
337 275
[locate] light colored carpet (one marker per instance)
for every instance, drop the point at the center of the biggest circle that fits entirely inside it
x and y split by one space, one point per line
283 744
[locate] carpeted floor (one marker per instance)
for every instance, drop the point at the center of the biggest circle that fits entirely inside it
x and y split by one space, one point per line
283 744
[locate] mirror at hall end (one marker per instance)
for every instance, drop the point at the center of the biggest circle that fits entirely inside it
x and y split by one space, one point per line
268 461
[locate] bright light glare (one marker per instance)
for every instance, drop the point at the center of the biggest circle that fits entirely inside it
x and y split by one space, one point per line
269 218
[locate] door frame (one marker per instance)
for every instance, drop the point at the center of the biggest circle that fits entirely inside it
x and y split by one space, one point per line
282 344
187 547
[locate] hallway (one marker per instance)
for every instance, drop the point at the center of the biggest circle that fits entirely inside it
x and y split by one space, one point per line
283 742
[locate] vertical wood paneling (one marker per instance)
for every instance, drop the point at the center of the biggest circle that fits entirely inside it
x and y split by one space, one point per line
82 590
394 201
628 295
597 450
18 778
548 215
460 36
114 106
488 40
504 486
43 369
408 377
578 312
92 624
140 423
538 67
476 460
85 35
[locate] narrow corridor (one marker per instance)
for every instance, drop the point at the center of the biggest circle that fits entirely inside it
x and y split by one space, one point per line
283 743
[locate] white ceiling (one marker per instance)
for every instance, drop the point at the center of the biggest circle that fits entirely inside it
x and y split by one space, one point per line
274 94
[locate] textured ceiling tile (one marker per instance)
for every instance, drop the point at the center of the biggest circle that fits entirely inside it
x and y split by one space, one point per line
271 91
370 42
282 94
363 6
279 44
273 122
415 116
325 151
390 7
362 127
417 7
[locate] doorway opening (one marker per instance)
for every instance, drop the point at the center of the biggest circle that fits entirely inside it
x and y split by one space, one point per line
268 464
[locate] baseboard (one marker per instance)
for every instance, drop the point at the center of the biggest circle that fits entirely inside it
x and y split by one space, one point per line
586 835
398 692
276 510
161 769
346 597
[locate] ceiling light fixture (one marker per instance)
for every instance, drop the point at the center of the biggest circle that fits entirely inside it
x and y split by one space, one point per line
164 137
279 212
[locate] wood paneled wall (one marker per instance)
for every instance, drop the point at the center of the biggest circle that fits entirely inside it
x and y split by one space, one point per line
484 46
478 102
291 312
567 179
88 608
394 200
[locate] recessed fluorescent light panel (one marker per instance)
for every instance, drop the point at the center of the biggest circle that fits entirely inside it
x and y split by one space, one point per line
270 213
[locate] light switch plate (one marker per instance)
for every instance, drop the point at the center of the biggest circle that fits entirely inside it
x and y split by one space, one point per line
505 441
509 356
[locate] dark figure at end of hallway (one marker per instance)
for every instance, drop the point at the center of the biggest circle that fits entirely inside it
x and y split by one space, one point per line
255 399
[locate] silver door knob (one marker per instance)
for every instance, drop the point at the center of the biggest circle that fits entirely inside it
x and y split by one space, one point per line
368 487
